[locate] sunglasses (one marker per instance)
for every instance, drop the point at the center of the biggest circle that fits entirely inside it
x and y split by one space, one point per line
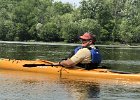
85 40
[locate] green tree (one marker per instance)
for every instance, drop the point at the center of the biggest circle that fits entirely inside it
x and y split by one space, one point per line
61 8
70 32
99 10
136 34
128 21
49 32
46 20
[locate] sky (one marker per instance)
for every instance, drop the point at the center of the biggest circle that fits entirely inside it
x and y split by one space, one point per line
73 2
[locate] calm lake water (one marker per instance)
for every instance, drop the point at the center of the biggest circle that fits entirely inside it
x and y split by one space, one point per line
16 85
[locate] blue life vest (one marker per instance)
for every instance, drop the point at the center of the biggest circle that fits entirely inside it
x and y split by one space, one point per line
95 55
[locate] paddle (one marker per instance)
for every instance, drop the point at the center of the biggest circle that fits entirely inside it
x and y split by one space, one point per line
35 65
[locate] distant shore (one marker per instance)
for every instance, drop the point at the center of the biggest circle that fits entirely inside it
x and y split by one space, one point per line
70 44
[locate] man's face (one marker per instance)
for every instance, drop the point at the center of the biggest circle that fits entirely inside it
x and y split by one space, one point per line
86 43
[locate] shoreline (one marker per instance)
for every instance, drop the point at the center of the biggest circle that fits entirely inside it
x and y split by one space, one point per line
69 44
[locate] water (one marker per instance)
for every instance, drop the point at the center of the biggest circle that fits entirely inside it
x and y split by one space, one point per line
16 85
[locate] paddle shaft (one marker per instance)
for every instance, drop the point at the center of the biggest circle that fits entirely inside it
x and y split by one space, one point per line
35 65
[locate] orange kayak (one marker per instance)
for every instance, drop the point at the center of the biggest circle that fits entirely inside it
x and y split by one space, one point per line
44 66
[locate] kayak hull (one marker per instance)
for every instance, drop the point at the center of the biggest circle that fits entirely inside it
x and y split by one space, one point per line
96 73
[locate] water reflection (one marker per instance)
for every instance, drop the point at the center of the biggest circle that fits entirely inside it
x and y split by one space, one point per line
82 90
18 85
28 52
34 86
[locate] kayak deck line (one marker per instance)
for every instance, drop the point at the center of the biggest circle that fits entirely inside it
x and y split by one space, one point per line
18 65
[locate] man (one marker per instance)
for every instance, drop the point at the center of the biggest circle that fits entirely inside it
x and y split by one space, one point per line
86 56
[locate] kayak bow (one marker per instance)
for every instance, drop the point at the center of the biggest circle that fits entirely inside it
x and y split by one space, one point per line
44 66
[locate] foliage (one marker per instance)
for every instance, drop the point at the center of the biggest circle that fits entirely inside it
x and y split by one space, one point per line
46 20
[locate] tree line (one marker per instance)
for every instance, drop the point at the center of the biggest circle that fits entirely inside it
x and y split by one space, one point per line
50 21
